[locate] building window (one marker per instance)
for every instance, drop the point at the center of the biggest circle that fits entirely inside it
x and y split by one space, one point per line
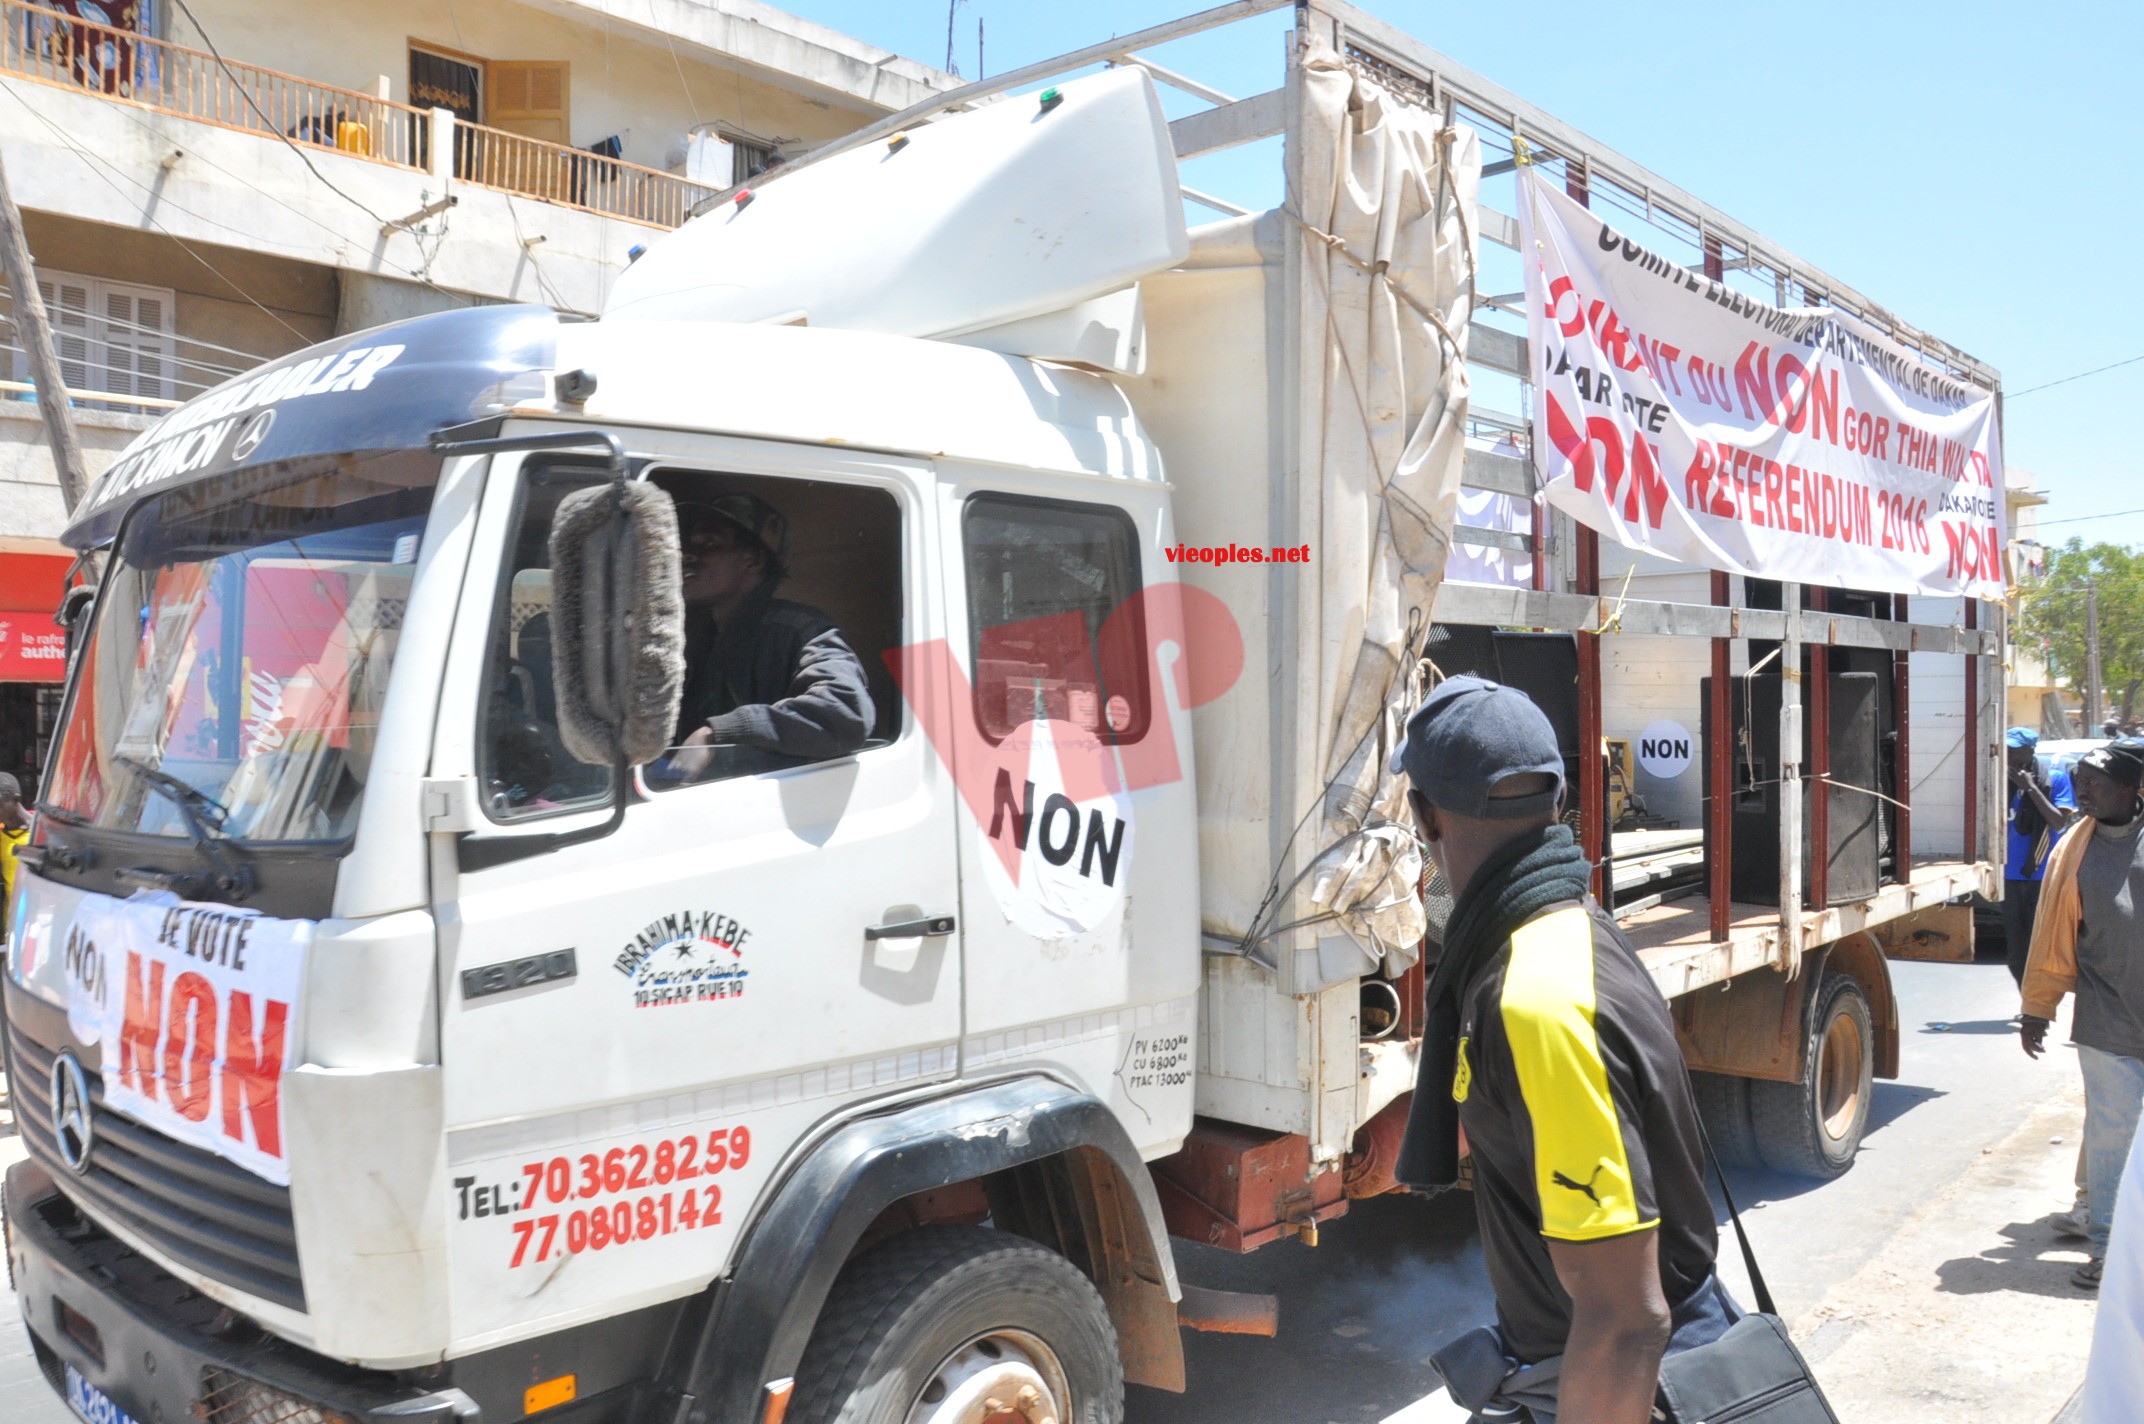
111 337
750 160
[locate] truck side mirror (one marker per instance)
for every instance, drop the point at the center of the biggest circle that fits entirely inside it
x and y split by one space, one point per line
617 623
75 607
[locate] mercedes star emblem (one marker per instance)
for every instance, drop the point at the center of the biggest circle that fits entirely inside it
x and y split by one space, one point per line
251 434
70 1111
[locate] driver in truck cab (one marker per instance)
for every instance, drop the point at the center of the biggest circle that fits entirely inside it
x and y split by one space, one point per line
1549 1044
768 683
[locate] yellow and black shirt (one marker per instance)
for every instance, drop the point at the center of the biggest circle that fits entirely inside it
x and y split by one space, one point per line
1577 1109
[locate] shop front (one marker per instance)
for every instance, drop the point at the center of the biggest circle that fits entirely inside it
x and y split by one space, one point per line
33 652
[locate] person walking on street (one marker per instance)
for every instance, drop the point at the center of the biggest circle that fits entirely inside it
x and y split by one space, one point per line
2089 940
14 831
1549 1044
2114 1373
2040 805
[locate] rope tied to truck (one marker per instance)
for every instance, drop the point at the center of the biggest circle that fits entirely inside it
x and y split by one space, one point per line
1384 201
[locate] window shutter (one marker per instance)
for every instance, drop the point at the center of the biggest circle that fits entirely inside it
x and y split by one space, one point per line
67 308
138 342
109 336
529 97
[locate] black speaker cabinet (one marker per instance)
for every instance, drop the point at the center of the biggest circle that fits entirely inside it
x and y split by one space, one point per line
1854 823
1544 666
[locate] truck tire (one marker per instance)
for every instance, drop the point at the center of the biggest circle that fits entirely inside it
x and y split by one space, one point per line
1813 1128
1723 1106
927 1327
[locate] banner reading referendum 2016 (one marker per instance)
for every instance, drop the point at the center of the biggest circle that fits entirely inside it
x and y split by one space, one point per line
1680 417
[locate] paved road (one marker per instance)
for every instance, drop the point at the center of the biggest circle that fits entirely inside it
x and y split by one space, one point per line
1396 1277
1360 1314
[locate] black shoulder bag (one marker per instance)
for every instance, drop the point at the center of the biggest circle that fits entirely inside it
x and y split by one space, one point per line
1752 1374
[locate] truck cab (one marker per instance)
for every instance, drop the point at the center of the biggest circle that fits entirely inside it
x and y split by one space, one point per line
383 1050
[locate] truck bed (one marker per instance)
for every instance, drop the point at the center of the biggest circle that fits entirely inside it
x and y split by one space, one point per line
1675 938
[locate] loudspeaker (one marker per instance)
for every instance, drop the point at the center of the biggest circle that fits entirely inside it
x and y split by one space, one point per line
1855 827
1753 736
1462 650
1544 666
1854 820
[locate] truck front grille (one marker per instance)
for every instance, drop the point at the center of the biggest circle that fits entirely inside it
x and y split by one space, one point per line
228 1397
192 1206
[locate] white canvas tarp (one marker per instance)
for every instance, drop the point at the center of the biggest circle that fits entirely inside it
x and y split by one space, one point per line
1387 205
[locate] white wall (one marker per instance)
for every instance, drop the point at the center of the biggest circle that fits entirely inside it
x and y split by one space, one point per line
243 190
1936 683
1647 679
621 81
29 490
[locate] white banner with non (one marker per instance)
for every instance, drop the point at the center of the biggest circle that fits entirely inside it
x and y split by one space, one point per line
194 1007
1684 418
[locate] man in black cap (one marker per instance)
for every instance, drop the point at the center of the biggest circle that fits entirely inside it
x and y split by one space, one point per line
2088 940
768 683
1548 1043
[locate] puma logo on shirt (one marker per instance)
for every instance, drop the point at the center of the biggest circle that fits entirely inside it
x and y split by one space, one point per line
1584 1188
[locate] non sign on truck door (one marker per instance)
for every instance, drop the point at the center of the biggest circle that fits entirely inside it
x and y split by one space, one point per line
1079 908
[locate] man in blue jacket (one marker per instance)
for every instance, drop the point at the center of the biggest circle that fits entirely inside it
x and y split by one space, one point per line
2040 806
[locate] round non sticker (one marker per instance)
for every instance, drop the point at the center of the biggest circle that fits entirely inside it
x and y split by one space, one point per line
1056 843
1664 750
1120 713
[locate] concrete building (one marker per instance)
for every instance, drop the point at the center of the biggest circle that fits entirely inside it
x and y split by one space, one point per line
208 184
2033 698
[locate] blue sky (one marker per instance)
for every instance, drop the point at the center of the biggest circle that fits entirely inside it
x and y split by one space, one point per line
1970 166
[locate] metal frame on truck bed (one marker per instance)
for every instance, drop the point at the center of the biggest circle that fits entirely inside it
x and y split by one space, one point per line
1685 950
1778 954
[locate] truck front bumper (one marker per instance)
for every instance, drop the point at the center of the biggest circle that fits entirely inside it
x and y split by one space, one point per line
162 1351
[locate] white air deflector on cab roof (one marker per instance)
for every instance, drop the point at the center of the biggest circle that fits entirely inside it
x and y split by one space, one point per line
986 218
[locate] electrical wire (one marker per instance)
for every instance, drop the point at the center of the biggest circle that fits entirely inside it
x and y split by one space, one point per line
248 356
268 125
691 104
2034 390
2081 518
303 157
543 281
184 246
413 274
170 358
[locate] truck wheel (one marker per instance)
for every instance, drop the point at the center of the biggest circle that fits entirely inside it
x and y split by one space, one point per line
1723 1104
1813 1128
959 1325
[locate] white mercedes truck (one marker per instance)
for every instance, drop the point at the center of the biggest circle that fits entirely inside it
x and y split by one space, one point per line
398 1034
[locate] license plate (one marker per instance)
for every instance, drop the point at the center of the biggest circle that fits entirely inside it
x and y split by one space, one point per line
92 1403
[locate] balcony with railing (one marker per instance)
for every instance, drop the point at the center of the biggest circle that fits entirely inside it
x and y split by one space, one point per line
48 47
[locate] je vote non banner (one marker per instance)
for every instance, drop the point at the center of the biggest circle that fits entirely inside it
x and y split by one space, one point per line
1685 419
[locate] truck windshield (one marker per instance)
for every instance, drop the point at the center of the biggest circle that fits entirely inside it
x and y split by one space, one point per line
233 677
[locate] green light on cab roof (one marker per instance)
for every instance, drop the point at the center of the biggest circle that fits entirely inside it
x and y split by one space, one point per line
1051 97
